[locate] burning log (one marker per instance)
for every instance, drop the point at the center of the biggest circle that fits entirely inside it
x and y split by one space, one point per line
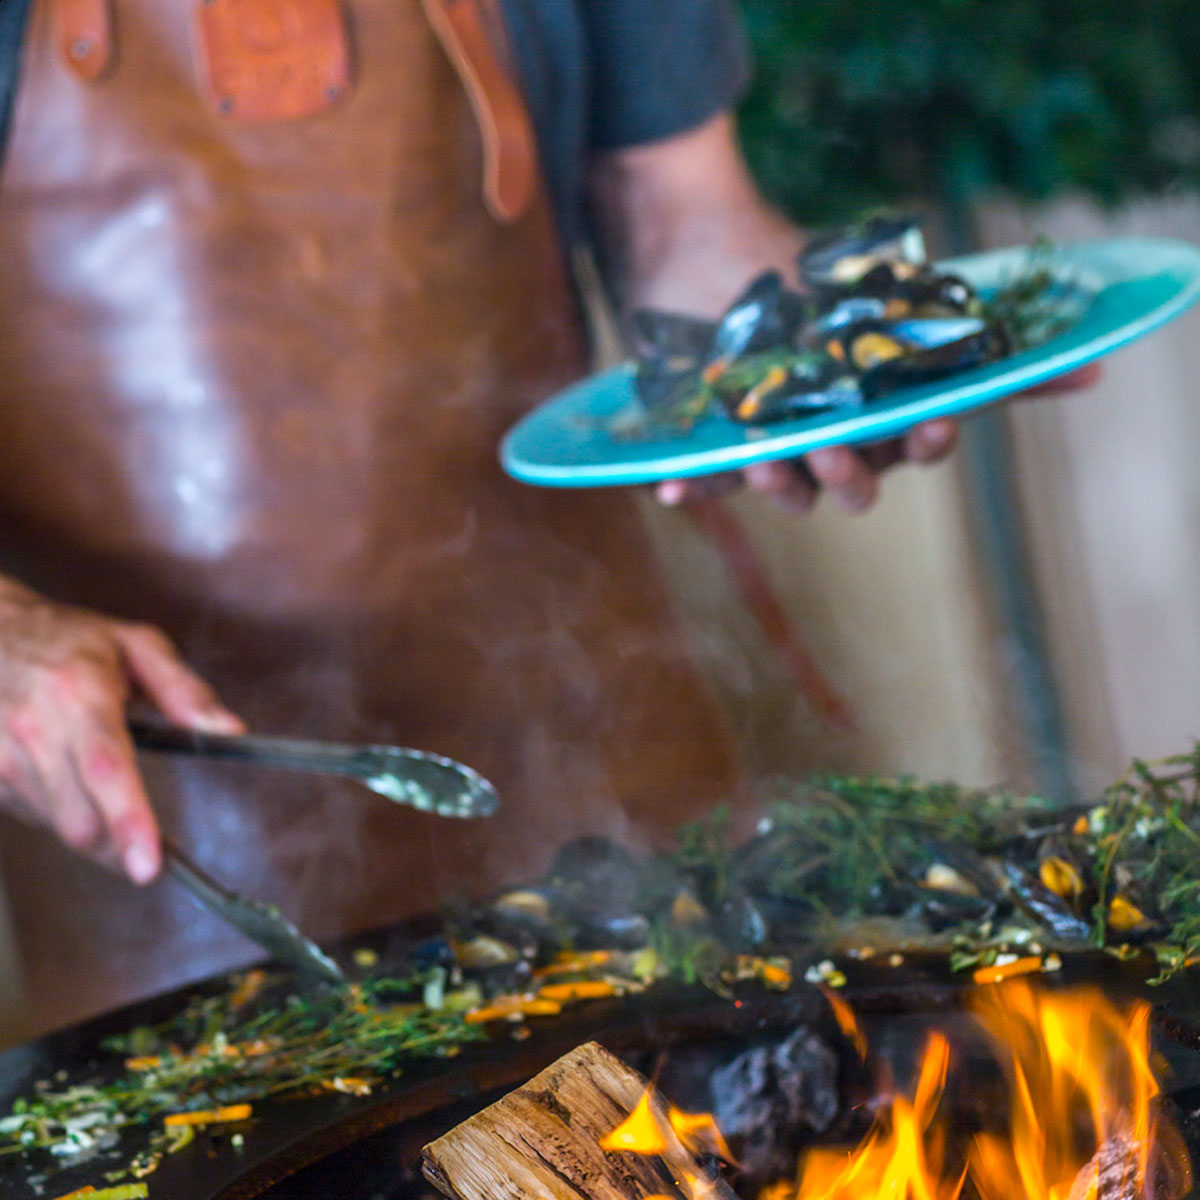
547 1140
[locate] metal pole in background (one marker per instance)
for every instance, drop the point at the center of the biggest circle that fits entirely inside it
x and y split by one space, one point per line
998 529
999 533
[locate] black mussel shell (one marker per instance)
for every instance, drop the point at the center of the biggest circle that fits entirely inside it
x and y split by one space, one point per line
599 890
925 363
662 387
765 316
802 383
954 293
941 910
671 336
880 281
430 953
933 295
611 931
861 344
801 399
740 923
819 259
1040 903
849 311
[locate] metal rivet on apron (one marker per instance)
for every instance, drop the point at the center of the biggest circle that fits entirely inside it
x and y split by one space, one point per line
225 104
81 48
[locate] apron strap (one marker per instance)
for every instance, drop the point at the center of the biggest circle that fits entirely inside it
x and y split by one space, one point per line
472 34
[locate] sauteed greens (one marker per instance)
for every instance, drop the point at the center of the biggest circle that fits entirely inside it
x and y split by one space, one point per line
841 867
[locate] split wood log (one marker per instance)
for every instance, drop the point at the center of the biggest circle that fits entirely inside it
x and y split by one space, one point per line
542 1142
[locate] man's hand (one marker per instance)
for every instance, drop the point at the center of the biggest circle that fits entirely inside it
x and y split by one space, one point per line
849 475
684 229
66 758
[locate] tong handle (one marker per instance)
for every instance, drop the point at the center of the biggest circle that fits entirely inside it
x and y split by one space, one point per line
425 781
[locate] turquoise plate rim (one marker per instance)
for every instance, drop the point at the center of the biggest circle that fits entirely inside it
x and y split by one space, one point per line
563 442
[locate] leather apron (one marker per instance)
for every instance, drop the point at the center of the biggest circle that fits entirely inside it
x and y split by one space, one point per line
252 379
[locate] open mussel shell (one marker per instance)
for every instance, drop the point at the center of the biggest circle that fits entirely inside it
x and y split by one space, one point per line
764 317
847 255
673 337
893 354
598 891
850 311
669 390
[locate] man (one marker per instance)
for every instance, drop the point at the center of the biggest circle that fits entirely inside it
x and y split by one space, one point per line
262 335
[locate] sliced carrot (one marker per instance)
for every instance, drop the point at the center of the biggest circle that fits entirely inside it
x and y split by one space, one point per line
574 960
582 989
504 1007
1003 971
210 1116
143 1062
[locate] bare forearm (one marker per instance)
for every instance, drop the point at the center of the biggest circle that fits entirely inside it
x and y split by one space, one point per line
682 225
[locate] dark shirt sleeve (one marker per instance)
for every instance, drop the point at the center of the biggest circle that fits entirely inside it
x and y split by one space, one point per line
660 67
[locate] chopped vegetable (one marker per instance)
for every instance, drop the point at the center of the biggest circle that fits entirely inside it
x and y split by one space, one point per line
127 1191
210 1116
582 989
1001 971
505 1008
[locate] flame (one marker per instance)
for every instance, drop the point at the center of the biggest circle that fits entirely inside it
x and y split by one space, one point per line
1069 1054
847 1021
699 1133
639 1133
1081 1124
902 1156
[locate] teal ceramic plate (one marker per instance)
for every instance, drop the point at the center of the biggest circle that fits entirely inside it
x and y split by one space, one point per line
1134 285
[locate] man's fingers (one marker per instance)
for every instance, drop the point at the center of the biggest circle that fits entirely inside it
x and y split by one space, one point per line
673 492
844 474
175 688
931 441
38 766
105 766
1073 381
72 759
788 483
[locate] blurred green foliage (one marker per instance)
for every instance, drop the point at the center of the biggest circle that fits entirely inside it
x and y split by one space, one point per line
864 103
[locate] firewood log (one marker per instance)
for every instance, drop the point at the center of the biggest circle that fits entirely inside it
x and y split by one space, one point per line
542 1142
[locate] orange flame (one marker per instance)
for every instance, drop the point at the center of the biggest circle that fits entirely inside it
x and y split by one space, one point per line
847 1021
901 1158
699 1133
639 1133
1081 1124
1069 1054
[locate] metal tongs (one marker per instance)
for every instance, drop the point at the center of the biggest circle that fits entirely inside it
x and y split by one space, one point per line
425 781
261 923
429 782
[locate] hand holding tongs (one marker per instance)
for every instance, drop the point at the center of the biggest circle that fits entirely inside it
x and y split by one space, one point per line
418 778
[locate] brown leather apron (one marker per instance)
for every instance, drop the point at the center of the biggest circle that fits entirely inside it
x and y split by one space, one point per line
252 380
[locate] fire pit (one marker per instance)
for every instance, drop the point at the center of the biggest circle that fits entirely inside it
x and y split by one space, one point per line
993 886
778 1058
